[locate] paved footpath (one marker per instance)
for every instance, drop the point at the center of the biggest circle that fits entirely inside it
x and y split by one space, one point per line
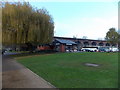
15 75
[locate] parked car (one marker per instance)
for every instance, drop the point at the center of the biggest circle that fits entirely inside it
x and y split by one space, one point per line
9 49
104 50
3 51
114 49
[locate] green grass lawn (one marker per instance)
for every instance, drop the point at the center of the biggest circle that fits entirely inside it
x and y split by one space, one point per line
67 70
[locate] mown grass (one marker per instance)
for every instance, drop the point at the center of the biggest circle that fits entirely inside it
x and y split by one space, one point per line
67 70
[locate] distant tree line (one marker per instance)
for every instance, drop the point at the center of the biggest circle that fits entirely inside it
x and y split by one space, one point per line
21 23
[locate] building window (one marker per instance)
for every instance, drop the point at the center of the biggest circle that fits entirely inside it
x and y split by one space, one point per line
107 44
101 44
94 43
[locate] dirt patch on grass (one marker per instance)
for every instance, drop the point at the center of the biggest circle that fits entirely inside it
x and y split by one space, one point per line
92 64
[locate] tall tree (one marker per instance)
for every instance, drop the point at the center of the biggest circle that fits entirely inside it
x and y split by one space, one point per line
112 36
21 23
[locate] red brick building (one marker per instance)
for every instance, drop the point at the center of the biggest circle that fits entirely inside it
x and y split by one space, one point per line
63 44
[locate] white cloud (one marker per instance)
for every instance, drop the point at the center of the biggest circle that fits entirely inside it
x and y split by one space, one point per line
93 28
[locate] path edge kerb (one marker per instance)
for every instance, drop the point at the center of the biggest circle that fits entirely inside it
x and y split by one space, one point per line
36 74
41 78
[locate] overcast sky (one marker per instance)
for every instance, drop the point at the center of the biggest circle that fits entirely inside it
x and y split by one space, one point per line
91 19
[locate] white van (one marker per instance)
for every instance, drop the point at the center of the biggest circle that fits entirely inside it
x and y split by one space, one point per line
89 49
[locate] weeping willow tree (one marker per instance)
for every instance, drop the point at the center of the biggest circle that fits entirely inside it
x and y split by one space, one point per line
21 23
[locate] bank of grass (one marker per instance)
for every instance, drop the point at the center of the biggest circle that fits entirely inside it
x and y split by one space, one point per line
67 70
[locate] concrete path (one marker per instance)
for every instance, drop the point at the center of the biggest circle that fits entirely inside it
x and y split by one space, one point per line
15 75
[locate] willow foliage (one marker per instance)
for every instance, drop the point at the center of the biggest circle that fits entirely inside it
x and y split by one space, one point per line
21 23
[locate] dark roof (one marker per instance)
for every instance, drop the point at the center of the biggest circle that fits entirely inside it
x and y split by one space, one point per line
77 39
65 41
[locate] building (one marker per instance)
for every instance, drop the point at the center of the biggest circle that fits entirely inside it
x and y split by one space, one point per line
63 44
